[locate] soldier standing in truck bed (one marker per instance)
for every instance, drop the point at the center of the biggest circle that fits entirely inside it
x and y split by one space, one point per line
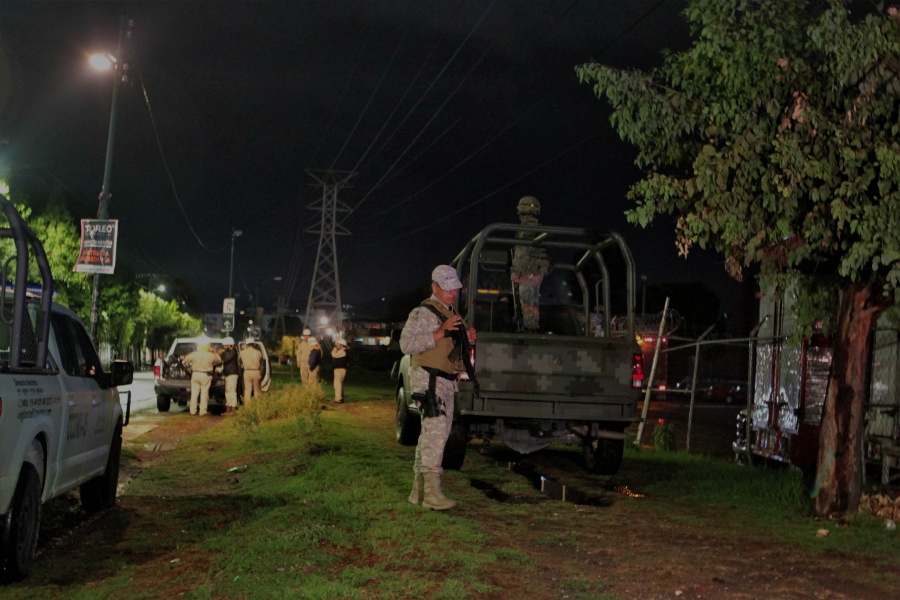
529 265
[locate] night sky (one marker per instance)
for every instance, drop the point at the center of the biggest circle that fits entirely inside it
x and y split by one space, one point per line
448 113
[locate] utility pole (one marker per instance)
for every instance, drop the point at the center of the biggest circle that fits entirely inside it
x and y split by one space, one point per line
120 73
235 233
325 288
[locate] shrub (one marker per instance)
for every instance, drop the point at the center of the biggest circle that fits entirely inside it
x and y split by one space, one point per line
303 402
664 437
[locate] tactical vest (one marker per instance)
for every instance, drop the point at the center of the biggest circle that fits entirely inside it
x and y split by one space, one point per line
439 357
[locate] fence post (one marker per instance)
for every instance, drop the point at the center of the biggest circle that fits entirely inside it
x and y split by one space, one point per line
694 386
646 409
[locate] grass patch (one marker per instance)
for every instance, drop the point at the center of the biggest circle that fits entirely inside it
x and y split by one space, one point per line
296 499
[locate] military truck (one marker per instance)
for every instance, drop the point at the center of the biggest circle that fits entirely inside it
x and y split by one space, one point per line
565 382
60 414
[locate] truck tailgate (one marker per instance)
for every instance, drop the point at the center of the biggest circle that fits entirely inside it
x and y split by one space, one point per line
564 377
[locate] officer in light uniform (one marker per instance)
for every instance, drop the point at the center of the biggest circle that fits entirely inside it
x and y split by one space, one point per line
303 355
201 362
425 337
339 362
251 358
529 265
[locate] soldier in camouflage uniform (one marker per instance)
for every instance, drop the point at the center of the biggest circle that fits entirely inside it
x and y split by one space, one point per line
435 366
529 265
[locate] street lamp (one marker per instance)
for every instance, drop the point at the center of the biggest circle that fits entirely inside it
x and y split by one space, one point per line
120 73
235 233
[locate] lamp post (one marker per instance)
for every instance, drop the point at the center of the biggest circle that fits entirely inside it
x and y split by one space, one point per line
235 233
120 72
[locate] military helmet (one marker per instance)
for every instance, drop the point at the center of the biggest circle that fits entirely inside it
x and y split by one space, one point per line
529 205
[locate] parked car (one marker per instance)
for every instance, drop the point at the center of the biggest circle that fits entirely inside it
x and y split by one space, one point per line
728 392
173 380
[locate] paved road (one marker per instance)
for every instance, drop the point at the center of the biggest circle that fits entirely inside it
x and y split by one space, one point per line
144 416
142 396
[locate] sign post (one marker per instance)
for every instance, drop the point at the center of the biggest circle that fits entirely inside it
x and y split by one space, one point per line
228 315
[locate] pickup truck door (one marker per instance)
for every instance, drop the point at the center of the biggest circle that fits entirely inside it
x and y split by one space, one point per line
85 434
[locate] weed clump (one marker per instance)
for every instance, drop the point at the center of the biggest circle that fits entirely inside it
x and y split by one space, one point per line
302 402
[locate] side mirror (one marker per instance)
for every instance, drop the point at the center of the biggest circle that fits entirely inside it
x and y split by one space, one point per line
122 373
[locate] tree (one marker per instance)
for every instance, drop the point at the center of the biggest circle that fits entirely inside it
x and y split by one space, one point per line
772 139
158 321
58 231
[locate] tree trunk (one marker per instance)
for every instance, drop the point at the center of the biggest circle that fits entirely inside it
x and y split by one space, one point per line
839 476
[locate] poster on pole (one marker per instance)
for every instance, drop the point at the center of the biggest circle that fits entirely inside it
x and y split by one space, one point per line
98 246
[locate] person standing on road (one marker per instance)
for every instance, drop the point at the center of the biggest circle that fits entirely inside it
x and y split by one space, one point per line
201 362
529 265
231 369
303 355
436 363
251 359
314 361
339 362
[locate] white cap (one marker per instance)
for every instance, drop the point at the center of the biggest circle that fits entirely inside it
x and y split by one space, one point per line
229 341
249 340
307 332
445 276
341 342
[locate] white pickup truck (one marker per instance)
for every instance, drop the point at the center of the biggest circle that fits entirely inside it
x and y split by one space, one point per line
60 414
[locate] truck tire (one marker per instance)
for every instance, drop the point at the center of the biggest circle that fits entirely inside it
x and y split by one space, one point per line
455 449
100 492
606 458
163 403
20 526
408 425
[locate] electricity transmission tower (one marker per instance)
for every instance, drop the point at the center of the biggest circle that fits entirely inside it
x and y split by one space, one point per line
325 288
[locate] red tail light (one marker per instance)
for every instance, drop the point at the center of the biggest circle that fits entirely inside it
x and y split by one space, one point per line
464 376
637 371
157 372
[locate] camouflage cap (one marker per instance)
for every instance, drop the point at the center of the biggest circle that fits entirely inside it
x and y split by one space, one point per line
445 276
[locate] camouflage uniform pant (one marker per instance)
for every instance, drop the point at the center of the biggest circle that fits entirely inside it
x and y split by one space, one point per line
529 298
435 430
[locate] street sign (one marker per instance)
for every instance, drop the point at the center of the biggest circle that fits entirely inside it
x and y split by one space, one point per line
228 307
228 323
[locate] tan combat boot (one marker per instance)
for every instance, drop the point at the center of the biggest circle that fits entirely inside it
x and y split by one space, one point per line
434 499
418 489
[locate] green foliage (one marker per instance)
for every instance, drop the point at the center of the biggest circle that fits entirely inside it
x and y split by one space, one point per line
159 320
128 316
772 137
59 235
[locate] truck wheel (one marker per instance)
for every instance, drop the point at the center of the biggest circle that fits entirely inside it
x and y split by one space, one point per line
100 492
408 425
455 449
606 458
20 526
